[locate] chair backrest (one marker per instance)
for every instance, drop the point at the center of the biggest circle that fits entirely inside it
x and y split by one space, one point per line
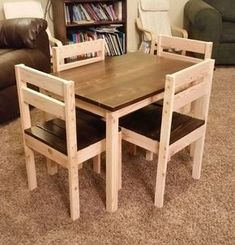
153 15
166 44
196 82
64 109
80 54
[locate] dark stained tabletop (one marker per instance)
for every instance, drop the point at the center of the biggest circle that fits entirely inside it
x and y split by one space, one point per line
122 80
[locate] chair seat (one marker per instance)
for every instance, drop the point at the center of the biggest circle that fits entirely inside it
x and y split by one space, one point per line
91 129
147 122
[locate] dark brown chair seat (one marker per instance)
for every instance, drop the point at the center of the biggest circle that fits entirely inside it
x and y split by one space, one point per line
91 129
147 122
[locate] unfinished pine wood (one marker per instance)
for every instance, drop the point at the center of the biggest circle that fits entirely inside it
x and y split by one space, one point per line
86 52
112 162
120 162
56 138
43 80
167 43
164 140
97 164
176 131
202 112
44 102
26 123
52 167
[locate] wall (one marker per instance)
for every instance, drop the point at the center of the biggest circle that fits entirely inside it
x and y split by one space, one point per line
43 2
2 1
176 16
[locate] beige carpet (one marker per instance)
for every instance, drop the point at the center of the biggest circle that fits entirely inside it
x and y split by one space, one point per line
194 212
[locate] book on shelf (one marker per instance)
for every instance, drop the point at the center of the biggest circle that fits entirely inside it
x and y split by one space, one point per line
115 39
93 12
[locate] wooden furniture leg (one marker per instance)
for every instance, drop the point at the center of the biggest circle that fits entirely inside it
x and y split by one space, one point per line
149 156
161 177
74 192
52 167
112 142
30 168
97 163
197 158
120 163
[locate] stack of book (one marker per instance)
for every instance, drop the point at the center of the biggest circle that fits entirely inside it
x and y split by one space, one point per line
93 12
115 39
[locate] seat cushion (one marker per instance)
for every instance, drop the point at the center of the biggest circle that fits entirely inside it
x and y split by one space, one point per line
90 130
147 122
228 32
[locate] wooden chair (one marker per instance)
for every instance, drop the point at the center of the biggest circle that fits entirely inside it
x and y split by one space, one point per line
67 139
166 48
78 54
167 45
71 56
75 55
165 132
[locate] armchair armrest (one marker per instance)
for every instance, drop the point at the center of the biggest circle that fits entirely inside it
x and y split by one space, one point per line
183 33
149 34
53 40
21 33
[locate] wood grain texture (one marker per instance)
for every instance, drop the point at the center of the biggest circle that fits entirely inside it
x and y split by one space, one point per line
120 81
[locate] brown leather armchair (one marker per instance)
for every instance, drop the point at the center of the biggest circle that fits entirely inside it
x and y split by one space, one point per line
22 41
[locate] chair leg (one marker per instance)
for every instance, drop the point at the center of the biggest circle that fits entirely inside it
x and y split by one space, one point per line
192 149
149 156
120 163
30 168
74 192
97 163
197 157
133 149
161 178
52 167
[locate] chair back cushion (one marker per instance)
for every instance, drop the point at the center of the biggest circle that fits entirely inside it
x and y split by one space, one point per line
154 5
155 17
225 7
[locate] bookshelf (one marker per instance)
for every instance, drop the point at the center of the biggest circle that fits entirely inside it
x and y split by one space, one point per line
81 20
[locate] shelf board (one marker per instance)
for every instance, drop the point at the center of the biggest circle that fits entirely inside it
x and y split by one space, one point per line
97 23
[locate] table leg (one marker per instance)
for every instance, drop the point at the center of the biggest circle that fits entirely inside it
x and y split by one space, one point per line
112 158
